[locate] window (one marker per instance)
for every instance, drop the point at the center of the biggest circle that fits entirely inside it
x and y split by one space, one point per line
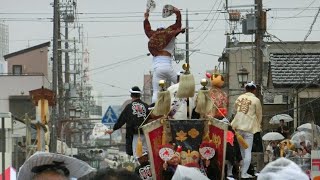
17 69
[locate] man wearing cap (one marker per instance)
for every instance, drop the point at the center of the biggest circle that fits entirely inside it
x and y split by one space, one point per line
247 122
161 45
133 115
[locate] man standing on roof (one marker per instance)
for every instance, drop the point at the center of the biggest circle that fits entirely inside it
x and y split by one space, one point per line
161 45
133 115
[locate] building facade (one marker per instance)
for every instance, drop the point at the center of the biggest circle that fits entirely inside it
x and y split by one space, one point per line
290 78
27 70
4 46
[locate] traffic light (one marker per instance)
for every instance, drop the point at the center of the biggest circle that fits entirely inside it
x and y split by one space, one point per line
96 151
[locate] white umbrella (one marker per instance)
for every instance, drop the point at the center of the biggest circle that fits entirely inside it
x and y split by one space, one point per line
307 127
301 136
188 173
76 167
272 136
276 119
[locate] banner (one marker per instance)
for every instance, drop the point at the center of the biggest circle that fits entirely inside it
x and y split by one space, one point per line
218 134
188 134
153 133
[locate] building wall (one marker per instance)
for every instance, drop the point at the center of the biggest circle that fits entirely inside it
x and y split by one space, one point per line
4 46
35 61
239 58
17 86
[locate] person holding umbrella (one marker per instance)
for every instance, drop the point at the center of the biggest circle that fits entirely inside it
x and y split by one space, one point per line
283 129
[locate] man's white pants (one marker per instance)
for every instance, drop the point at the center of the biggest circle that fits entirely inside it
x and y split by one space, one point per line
163 70
246 153
134 145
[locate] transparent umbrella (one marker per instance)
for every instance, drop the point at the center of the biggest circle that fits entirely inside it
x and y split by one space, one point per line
307 127
276 119
272 136
301 136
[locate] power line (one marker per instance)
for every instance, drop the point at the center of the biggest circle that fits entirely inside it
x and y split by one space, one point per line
111 85
298 107
49 20
206 29
141 34
311 26
306 8
126 60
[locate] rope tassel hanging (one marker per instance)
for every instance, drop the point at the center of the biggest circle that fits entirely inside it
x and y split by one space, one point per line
204 103
186 84
162 106
139 145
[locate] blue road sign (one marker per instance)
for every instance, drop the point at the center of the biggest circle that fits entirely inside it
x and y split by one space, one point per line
110 117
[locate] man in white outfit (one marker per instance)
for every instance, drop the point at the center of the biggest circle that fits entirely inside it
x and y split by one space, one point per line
161 45
247 121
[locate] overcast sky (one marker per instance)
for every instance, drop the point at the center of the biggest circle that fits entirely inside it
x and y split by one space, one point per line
111 40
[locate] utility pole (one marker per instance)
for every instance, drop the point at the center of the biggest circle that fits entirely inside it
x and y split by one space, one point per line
187 38
258 53
260 30
3 146
54 123
28 135
60 74
67 71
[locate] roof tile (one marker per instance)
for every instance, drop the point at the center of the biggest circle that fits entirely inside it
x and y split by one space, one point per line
295 68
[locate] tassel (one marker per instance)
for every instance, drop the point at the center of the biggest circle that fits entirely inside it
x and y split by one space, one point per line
163 138
139 147
204 104
241 140
186 86
162 106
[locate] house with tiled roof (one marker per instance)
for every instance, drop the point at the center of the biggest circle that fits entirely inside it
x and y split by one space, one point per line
299 73
291 83
295 69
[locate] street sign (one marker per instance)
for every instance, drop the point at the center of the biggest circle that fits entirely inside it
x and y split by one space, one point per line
110 117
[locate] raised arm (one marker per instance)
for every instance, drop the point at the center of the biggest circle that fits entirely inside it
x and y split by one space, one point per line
178 24
146 24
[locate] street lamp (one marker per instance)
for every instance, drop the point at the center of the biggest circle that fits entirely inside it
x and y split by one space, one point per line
242 76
